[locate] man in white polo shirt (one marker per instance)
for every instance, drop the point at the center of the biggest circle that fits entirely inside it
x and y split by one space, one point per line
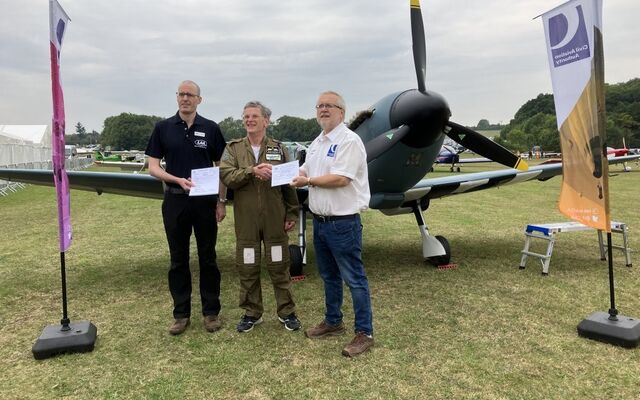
335 170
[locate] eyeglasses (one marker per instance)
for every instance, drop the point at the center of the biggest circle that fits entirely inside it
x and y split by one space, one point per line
189 95
328 106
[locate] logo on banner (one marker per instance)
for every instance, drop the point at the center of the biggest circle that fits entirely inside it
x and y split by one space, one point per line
568 37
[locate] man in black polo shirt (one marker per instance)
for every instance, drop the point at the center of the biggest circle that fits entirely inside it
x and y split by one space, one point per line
188 141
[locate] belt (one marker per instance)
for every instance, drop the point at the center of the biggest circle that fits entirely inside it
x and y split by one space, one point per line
329 218
174 190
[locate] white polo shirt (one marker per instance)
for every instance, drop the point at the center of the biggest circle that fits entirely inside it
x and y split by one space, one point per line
340 152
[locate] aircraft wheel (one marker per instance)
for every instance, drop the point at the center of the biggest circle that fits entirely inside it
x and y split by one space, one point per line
295 256
446 258
450 169
458 169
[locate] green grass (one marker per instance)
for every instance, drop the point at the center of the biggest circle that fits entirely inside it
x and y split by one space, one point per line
485 330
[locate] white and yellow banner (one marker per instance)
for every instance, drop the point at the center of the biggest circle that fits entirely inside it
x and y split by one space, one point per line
573 33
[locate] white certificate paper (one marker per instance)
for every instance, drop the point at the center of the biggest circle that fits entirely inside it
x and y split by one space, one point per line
206 181
283 174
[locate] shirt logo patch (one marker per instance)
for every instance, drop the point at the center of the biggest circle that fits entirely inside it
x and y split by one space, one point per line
273 154
199 134
201 144
332 150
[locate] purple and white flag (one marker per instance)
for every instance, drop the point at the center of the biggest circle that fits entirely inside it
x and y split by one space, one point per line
58 21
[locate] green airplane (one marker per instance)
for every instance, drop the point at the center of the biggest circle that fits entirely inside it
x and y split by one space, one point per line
99 156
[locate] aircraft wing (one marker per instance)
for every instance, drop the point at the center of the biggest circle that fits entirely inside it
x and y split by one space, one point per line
434 188
138 185
142 185
123 165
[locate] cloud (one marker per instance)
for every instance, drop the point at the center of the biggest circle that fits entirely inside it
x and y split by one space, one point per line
485 58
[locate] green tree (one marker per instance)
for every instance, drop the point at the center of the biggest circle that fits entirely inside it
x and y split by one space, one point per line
93 137
483 125
294 129
81 137
128 131
535 123
623 113
80 129
543 103
232 128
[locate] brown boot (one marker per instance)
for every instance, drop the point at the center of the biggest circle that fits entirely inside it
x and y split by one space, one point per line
358 345
212 323
179 326
324 329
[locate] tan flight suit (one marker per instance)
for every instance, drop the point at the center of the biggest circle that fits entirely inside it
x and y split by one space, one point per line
260 212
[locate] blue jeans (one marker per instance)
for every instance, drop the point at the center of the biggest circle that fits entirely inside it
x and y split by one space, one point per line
338 248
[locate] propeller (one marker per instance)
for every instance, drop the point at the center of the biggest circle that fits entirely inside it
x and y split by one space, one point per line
418 118
419 45
462 135
483 146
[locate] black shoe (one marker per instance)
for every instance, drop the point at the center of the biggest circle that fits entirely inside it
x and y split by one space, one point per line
246 323
291 322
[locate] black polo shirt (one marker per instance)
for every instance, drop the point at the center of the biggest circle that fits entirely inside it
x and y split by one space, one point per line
184 149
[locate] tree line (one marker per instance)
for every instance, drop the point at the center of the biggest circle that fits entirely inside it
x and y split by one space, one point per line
132 131
534 124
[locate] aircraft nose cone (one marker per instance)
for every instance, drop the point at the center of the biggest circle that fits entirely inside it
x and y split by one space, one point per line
426 114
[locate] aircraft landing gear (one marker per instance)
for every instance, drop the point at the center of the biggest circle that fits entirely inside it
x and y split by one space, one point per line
446 258
295 257
435 249
298 253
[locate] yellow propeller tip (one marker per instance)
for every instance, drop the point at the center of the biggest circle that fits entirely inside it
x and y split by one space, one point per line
415 3
522 165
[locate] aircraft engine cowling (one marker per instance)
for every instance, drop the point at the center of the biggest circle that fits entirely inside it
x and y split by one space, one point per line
426 114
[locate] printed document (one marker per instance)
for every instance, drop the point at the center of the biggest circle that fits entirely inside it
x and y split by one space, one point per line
206 181
283 174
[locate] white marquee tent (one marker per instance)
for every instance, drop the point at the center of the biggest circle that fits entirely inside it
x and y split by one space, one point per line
25 146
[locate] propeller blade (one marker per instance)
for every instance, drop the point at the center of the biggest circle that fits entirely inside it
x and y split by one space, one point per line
379 145
419 45
484 146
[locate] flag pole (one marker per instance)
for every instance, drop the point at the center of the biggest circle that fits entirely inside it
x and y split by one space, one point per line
613 312
67 337
574 41
65 317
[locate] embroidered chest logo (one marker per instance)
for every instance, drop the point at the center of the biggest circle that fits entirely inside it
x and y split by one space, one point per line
200 143
332 150
273 154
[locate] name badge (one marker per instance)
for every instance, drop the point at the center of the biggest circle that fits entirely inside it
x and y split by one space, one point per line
332 150
200 134
273 154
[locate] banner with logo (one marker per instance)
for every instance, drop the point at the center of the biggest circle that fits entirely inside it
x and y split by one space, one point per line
573 34
58 21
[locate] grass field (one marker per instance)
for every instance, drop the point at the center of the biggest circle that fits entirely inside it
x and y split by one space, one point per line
485 330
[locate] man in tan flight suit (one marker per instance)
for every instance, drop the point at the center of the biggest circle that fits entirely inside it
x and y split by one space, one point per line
262 214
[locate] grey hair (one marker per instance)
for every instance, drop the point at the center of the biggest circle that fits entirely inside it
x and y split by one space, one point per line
341 102
266 112
191 83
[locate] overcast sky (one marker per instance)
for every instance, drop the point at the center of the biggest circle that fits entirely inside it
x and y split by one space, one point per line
485 57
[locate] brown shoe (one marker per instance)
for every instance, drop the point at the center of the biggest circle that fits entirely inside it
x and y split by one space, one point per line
179 326
212 323
324 329
358 345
